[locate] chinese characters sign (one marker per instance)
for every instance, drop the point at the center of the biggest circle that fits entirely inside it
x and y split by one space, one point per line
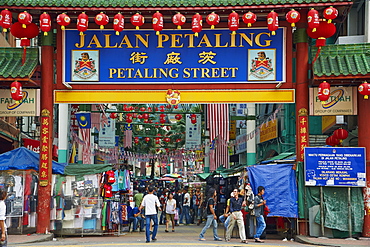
44 149
174 56
303 133
335 166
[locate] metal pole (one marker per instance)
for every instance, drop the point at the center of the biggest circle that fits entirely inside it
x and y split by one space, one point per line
349 213
322 210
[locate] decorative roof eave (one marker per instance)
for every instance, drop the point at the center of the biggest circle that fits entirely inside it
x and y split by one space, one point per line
270 6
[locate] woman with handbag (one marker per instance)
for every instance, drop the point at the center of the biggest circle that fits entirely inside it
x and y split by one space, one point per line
170 211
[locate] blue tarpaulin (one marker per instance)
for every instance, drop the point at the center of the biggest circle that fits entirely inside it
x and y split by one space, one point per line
280 188
25 159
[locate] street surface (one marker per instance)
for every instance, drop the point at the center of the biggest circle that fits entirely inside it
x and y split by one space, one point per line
183 236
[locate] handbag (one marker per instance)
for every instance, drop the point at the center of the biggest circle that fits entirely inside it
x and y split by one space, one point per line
176 217
266 210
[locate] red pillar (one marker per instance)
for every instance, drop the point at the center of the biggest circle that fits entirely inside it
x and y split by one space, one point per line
301 93
47 79
363 117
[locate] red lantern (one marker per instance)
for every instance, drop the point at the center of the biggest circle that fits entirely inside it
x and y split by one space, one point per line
63 20
82 23
113 115
178 117
25 18
45 23
340 134
178 140
178 20
330 13
334 141
272 22
157 22
249 18
293 17
136 140
233 22
101 19
167 139
147 139
328 141
137 20
364 89
142 109
196 24
146 116
118 23
213 19
313 19
128 118
25 34
324 92
324 31
16 91
193 118
6 19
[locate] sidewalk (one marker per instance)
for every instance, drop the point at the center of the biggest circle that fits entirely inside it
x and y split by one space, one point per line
29 238
333 241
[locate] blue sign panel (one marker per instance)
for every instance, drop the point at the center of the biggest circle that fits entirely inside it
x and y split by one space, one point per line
252 55
335 166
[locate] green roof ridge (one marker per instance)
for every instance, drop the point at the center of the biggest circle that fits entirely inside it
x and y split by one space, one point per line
11 62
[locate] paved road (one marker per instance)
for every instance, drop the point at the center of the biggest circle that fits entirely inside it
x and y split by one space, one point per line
184 236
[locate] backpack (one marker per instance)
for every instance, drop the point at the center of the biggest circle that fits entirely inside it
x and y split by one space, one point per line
250 204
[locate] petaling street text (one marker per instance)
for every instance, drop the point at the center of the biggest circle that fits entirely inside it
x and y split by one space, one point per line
176 41
158 73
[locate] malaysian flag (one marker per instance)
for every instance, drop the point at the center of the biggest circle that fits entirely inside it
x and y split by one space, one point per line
128 136
103 116
218 126
86 148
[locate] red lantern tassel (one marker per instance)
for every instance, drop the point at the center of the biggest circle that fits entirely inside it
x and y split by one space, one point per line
24 43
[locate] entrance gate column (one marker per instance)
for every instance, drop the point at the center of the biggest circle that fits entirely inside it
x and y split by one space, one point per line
46 140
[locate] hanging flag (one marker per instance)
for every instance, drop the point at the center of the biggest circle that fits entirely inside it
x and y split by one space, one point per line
86 148
73 154
218 121
83 120
128 136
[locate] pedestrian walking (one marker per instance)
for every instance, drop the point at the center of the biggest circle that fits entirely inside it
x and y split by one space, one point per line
211 216
162 200
4 237
259 206
170 211
197 205
236 204
178 197
185 207
151 204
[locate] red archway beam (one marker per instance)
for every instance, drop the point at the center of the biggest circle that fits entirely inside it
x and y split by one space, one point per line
249 7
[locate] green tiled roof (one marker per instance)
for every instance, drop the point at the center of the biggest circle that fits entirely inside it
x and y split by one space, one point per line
151 3
11 62
336 60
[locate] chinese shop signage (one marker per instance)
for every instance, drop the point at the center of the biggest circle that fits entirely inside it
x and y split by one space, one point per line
303 131
175 56
339 166
44 149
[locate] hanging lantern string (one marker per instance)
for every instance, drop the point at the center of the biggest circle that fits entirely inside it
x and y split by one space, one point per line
317 55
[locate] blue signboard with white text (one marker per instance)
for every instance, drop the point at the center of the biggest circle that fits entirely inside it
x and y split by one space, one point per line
251 55
335 166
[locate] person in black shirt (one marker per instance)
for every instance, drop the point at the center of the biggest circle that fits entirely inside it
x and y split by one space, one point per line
259 206
236 204
211 216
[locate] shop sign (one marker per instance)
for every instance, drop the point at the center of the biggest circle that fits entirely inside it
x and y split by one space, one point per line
241 144
193 132
303 141
232 134
107 133
28 106
342 101
337 166
251 55
269 130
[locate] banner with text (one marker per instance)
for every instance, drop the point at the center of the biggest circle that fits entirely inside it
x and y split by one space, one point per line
340 166
29 105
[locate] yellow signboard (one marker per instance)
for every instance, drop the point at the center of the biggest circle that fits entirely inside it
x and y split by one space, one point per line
269 131
232 129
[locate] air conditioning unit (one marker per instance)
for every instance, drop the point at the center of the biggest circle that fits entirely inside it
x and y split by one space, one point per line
355 39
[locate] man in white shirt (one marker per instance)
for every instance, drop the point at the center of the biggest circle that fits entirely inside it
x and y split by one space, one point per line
186 207
151 203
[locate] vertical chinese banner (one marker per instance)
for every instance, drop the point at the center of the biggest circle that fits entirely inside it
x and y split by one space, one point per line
303 131
44 149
